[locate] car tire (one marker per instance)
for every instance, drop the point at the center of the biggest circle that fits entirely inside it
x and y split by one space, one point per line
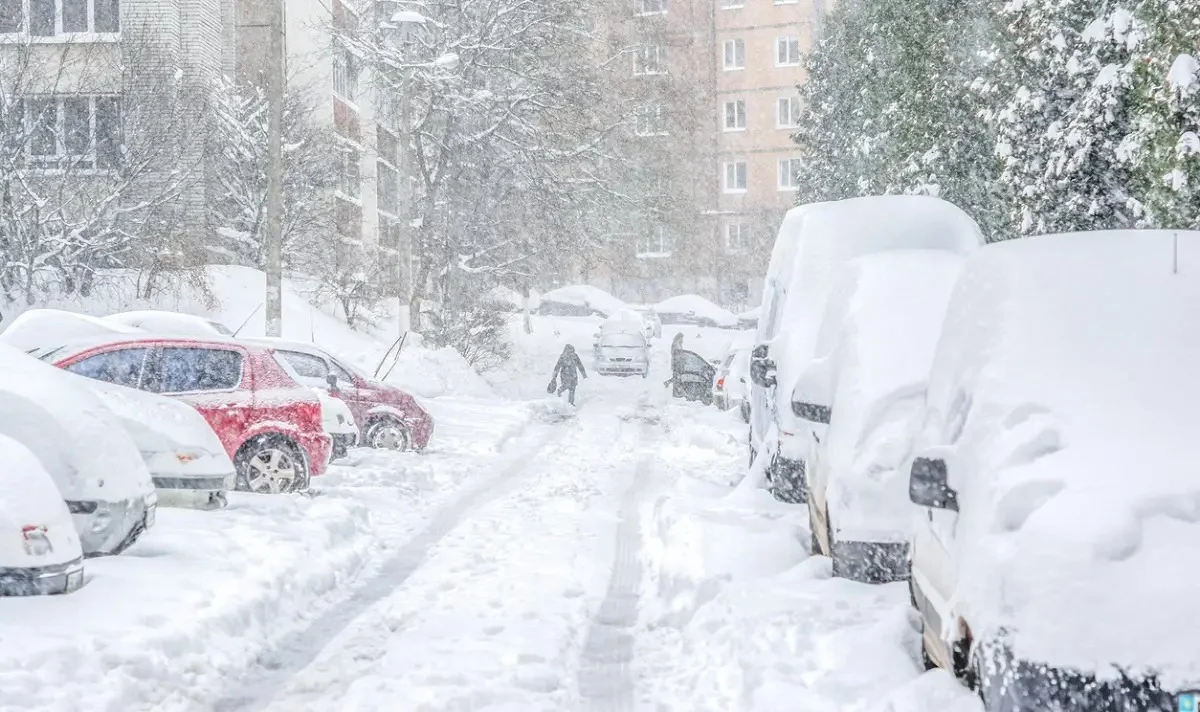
271 464
388 434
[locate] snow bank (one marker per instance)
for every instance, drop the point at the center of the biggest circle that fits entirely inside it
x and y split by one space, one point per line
1065 385
579 300
694 309
433 373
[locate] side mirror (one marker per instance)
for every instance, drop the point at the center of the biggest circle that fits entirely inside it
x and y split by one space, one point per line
812 412
928 485
762 368
331 379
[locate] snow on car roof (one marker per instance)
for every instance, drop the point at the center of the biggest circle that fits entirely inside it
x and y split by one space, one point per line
38 327
696 305
878 334
171 323
585 295
1065 389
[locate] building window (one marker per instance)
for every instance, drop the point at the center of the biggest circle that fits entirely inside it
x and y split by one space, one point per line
789 173
735 177
349 177
735 54
345 74
389 232
349 219
72 132
652 7
388 146
732 4
387 188
657 244
735 115
737 237
650 59
787 51
48 18
787 112
649 121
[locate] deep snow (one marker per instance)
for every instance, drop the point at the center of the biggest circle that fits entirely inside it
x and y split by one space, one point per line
535 557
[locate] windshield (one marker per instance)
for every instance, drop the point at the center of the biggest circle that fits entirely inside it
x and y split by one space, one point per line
622 341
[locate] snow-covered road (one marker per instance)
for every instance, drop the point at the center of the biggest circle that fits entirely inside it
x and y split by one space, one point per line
537 557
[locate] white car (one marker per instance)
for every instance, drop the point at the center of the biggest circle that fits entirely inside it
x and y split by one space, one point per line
39 547
1054 553
338 421
168 323
813 241
622 354
188 465
97 467
865 395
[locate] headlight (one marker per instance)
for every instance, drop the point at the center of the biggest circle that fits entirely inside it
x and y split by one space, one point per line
102 519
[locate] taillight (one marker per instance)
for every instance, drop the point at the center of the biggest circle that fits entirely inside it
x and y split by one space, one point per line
721 383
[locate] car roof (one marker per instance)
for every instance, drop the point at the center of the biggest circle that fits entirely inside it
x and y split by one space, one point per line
73 347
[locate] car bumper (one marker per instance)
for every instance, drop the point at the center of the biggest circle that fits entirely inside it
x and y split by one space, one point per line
318 449
43 580
195 483
421 430
342 442
622 369
107 528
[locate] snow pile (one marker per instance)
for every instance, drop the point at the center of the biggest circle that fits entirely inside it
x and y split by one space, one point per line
41 327
512 299
433 373
694 309
579 300
1182 75
1078 353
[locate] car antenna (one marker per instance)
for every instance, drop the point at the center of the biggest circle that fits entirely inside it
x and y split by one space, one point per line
387 353
247 321
396 360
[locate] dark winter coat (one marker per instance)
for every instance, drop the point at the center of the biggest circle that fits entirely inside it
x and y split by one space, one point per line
569 368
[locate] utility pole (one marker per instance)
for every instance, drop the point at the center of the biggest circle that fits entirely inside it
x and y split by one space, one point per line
275 92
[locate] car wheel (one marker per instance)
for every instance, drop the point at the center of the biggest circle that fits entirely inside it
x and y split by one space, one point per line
271 464
388 434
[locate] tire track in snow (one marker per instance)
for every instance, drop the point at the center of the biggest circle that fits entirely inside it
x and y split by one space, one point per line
605 672
297 651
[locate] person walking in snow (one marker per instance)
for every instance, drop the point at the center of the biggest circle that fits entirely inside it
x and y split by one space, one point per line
566 373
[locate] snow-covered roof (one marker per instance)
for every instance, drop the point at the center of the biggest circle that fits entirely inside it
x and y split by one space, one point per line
876 344
698 307
170 323
1065 388
38 327
586 296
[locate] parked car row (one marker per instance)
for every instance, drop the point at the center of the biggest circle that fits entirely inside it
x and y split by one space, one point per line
121 414
1009 427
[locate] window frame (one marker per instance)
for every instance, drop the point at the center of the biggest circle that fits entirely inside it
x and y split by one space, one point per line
643 12
734 170
793 104
162 360
643 67
792 173
787 41
649 120
99 155
742 244
739 112
657 245
732 4
24 25
739 58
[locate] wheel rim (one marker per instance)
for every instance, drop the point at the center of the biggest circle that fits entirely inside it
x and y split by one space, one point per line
271 471
389 436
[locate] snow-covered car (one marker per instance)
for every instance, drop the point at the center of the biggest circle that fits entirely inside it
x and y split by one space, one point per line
387 417
579 300
269 424
167 323
813 241
625 321
695 310
338 421
37 326
188 464
40 552
1053 557
98 470
730 382
622 354
864 392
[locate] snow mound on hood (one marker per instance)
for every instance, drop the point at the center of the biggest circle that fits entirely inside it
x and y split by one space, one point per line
584 298
38 327
696 307
170 323
1064 399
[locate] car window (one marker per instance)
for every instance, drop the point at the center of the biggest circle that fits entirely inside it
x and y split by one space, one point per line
186 370
343 374
692 363
123 367
306 365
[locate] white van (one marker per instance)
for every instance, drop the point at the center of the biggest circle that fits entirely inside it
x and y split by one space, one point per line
813 241
1054 554
867 385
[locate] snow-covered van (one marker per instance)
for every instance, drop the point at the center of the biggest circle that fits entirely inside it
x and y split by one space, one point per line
864 392
97 467
39 547
813 241
1055 552
187 462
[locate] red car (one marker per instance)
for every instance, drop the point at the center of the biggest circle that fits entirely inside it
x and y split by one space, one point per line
387 417
269 424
